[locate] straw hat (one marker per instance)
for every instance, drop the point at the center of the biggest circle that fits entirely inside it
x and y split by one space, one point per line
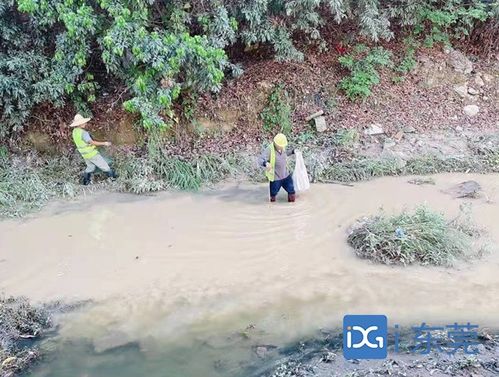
78 121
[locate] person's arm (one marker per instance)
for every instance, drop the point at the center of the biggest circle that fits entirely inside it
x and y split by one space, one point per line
264 160
88 139
100 143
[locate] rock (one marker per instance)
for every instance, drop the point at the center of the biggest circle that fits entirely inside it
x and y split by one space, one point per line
320 124
467 189
263 350
460 62
329 357
389 143
409 129
265 85
485 336
462 90
459 129
8 361
399 136
479 81
314 115
471 110
487 78
374 129
473 91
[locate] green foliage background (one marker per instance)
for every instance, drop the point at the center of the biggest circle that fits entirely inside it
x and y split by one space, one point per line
166 53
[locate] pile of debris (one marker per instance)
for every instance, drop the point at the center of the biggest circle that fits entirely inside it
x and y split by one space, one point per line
20 322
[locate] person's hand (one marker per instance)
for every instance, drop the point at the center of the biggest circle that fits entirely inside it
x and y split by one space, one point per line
268 167
107 143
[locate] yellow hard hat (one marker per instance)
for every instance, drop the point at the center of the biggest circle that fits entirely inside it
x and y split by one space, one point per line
280 140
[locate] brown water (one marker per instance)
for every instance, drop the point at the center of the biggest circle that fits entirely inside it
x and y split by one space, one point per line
179 268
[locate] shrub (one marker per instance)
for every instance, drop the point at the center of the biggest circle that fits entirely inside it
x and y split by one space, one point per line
362 65
408 62
276 115
60 51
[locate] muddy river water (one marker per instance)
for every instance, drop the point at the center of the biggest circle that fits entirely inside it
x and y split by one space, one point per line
196 281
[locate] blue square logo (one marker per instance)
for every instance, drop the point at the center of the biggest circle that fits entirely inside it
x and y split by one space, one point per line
365 336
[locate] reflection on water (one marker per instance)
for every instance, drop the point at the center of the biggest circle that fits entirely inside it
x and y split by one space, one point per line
174 272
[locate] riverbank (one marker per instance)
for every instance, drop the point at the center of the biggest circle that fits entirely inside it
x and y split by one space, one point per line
31 181
322 356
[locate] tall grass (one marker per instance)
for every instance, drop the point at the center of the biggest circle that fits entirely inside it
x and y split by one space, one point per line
361 169
27 184
419 237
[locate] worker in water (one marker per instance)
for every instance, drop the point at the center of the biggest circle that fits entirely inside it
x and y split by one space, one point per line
274 160
88 149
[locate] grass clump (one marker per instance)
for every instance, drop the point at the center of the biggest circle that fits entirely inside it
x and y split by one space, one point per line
363 64
28 183
420 237
362 168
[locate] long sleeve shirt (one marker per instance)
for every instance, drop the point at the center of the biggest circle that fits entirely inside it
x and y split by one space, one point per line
281 168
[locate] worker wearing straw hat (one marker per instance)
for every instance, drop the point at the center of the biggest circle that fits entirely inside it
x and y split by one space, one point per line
88 149
274 160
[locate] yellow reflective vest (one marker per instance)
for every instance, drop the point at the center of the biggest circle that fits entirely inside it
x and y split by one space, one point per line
86 150
271 173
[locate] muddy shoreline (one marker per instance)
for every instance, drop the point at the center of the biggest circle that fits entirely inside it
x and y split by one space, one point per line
323 357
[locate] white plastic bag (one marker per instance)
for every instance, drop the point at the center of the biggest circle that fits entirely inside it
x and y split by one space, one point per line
300 175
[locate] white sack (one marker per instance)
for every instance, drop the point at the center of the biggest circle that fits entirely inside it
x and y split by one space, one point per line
300 175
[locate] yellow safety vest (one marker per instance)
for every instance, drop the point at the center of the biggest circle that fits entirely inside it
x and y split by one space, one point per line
271 174
86 150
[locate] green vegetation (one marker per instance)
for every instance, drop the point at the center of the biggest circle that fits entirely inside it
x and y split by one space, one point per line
454 20
27 187
420 237
362 65
276 115
408 61
346 138
360 169
162 55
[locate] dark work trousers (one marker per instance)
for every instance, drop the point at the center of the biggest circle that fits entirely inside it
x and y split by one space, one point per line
286 184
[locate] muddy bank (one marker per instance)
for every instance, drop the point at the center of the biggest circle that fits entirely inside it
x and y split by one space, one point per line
29 181
322 356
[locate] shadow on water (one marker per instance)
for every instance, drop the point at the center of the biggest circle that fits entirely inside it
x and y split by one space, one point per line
254 195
